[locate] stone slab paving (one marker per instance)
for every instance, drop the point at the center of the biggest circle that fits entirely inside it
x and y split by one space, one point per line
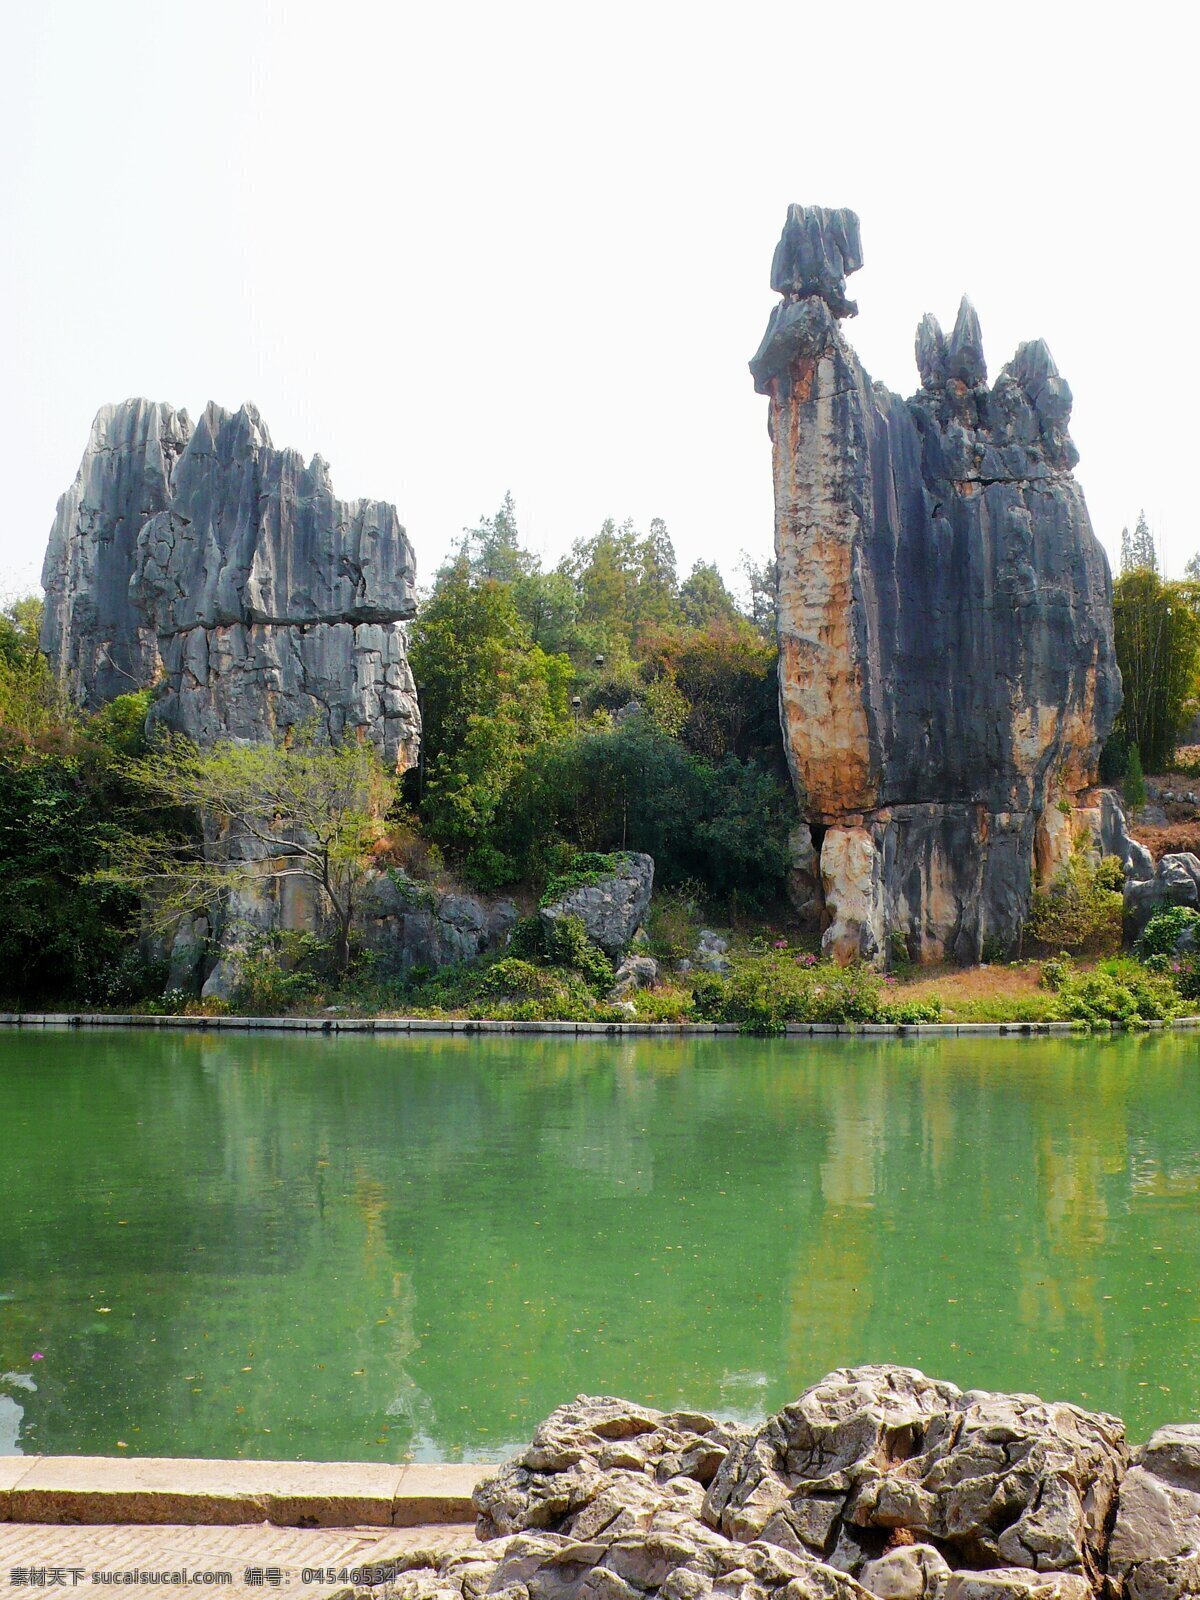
309 1494
223 1562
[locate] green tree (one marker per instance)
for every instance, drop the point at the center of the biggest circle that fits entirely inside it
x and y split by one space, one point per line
704 598
1137 548
656 587
488 695
302 809
31 704
727 672
1156 631
723 824
762 584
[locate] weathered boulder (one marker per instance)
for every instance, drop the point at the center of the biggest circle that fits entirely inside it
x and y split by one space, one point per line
613 909
712 953
1154 1552
1175 881
946 659
909 1572
992 1480
599 1462
673 1556
224 571
635 972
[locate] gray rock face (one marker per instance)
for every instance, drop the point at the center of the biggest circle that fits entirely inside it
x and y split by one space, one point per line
991 1480
613 910
591 1459
1175 881
411 925
670 1554
224 570
945 618
635 972
1155 1548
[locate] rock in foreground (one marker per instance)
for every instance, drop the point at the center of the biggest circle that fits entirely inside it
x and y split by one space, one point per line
876 1481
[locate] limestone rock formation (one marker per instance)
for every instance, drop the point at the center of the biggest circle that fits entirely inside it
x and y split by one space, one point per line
947 670
611 911
1155 1549
1150 887
224 571
876 1481
597 1463
409 924
992 1480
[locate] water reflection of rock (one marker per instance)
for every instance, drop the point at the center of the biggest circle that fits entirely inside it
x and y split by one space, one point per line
11 1411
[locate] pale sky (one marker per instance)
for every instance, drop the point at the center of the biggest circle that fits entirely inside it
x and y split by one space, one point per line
459 249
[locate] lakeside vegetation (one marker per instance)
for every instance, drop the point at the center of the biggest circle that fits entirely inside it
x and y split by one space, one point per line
598 706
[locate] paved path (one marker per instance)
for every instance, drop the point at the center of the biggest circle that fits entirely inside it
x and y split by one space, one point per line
261 1560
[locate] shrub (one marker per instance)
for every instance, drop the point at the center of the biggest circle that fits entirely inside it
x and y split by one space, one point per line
567 945
584 868
281 970
1186 972
913 1010
665 1004
766 991
1079 912
1115 991
1161 934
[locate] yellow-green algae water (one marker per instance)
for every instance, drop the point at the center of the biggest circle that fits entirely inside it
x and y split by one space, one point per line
378 1249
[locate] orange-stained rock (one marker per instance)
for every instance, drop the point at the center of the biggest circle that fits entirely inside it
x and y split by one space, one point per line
947 670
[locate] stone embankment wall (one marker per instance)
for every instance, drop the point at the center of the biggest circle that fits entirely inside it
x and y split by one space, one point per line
947 673
878 1481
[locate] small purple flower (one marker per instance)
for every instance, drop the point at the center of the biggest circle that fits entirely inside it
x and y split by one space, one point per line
37 1356
781 944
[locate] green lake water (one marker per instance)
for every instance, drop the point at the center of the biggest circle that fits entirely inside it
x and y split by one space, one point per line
380 1249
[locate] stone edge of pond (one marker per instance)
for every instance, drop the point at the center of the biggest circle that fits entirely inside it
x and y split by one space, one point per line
289 1494
385 1025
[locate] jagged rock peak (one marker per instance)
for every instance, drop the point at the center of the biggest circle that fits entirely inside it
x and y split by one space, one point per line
964 351
223 570
931 352
817 250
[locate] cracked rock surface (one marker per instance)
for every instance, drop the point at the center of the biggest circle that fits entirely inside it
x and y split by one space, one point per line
224 571
947 670
876 1481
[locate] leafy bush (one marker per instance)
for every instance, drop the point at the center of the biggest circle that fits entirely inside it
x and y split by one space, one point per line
912 1010
668 1003
1161 934
764 992
1120 990
567 945
585 869
281 970
1186 972
1081 911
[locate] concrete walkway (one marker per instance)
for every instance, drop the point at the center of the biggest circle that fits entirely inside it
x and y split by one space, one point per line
231 1562
289 1494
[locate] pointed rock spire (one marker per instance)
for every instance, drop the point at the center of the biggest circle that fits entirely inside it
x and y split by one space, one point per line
964 353
931 352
